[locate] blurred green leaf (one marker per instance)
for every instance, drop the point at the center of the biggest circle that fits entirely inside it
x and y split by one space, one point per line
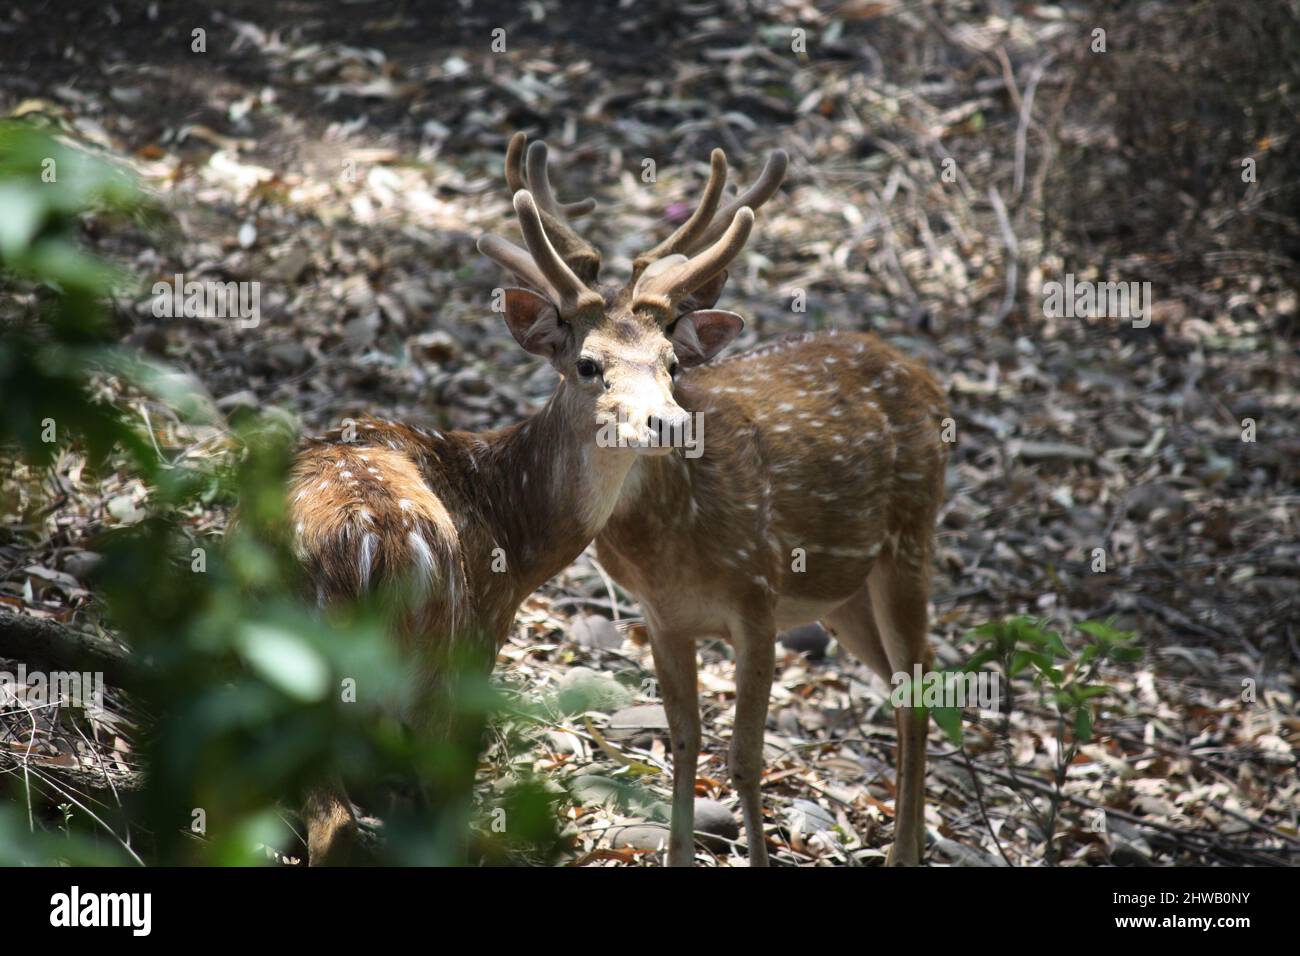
950 722
285 660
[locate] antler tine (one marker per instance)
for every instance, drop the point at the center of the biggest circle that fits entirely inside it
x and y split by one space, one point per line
517 180
572 210
571 294
515 162
531 174
693 228
539 180
763 189
506 253
663 287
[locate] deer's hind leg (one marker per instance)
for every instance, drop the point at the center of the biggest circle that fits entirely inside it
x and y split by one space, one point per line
900 591
332 830
854 625
885 626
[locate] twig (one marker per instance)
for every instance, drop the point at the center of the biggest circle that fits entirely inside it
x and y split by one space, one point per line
108 778
1261 827
1013 254
609 586
979 801
85 809
1042 786
1022 130
144 411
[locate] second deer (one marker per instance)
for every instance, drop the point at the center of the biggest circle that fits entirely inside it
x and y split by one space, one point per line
815 498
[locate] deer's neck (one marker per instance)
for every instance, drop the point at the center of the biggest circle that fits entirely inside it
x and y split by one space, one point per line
549 490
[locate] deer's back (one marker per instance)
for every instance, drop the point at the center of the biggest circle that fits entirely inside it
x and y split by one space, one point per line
819 451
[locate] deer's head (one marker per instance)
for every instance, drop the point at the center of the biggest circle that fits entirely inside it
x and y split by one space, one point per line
619 350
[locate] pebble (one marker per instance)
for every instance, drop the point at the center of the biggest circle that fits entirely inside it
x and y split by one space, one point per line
715 820
582 689
811 640
592 630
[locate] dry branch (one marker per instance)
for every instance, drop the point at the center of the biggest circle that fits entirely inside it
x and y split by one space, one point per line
47 645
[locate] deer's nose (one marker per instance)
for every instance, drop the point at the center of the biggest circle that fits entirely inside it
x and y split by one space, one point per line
667 426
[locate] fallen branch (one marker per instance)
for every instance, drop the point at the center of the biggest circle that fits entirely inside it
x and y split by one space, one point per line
50 646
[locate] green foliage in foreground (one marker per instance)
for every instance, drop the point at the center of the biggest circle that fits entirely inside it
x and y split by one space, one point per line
245 694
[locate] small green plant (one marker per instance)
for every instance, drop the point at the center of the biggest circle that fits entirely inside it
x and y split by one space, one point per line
1066 681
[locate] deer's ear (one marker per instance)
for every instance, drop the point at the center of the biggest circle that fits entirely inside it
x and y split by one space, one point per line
706 296
534 322
698 336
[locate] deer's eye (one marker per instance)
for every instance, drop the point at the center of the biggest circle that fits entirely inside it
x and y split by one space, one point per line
673 369
587 368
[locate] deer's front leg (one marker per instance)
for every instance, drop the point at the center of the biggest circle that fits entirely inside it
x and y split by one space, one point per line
674 656
755 661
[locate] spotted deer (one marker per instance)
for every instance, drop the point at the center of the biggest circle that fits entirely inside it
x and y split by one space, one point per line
477 521
815 498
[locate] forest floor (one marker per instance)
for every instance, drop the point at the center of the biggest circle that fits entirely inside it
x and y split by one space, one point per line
348 158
